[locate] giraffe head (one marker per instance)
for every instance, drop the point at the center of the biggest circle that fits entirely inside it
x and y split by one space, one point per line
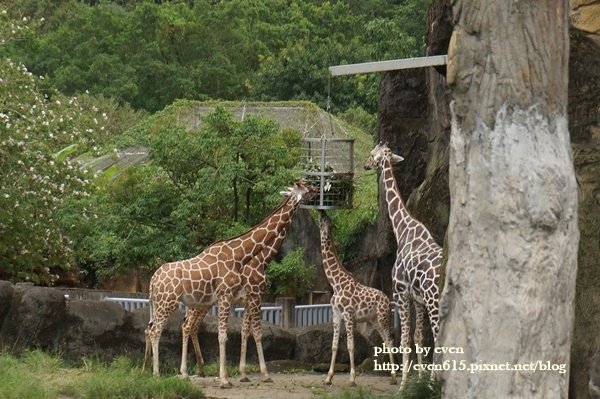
325 224
300 193
380 153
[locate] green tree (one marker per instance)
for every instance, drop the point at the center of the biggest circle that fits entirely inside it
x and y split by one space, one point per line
38 135
42 132
201 185
290 276
149 55
333 33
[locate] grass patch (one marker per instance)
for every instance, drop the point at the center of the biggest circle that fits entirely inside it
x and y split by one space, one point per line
12 374
47 377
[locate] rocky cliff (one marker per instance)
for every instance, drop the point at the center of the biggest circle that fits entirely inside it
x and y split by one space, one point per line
415 120
584 126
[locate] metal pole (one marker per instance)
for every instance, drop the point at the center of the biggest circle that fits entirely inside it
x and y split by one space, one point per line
390 65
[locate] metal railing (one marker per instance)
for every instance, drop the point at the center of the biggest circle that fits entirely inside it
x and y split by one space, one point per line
306 315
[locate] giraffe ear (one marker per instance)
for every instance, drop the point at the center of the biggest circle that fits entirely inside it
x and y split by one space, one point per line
287 192
396 159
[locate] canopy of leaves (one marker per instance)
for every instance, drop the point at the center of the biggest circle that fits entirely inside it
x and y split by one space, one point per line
291 276
148 55
41 131
72 73
200 185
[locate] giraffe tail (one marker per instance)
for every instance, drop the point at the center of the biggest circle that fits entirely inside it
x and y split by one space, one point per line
148 349
150 303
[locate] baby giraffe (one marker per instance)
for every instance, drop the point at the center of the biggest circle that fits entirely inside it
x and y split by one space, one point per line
352 301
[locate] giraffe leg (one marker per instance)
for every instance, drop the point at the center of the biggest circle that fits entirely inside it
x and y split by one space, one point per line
383 328
189 329
186 330
224 309
349 320
198 352
148 350
434 318
403 305
244 347
257 334
153 333
419 337
433 313
337 319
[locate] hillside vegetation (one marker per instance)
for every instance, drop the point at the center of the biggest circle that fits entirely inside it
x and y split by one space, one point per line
115 86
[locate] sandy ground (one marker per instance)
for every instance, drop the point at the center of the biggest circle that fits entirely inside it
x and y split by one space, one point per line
293 386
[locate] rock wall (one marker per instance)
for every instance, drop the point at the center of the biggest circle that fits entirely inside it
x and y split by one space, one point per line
41 318
584 126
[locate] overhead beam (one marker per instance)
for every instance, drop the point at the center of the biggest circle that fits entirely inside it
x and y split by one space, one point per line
391 65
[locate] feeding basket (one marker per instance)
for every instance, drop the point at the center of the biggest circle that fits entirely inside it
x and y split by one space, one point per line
328 165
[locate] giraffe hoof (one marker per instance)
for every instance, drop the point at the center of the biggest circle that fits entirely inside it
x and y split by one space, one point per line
184 377
352 384
268 379
244 379
326 382
226 385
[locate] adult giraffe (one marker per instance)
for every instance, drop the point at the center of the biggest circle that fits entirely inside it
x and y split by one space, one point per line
214 277
252 288
416 272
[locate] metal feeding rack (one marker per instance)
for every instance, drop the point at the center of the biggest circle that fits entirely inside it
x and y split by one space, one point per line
328 165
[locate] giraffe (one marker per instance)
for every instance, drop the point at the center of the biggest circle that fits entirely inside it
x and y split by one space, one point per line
213 277
352 302
416 271
253 287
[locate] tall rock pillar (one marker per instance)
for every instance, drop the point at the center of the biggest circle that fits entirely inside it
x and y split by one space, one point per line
513 236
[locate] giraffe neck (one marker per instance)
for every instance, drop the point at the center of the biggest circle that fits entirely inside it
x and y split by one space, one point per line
331 264
397 211
253 242
267 254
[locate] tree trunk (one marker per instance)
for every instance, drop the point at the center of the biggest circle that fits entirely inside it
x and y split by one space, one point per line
513 237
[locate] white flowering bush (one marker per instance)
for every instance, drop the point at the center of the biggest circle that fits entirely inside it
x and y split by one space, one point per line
40 134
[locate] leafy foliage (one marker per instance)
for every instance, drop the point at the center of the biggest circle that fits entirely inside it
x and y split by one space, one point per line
149 55
33 181
206 180
201 185
41 132
290 275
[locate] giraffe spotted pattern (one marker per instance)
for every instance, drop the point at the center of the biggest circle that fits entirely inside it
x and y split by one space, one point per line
416 271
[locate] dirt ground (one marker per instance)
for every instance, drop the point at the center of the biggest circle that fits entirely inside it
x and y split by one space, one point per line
293 386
